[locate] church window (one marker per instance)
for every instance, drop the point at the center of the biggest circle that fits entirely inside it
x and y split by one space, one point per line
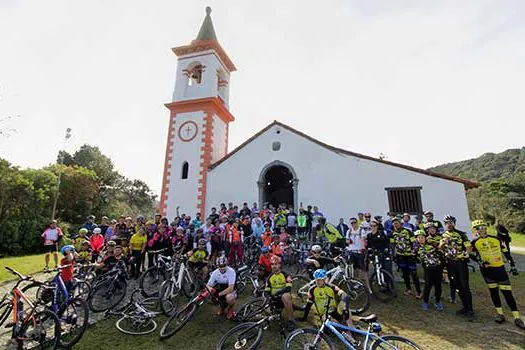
276 146
185 170
404 200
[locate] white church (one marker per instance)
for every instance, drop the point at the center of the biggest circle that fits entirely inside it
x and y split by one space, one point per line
279 164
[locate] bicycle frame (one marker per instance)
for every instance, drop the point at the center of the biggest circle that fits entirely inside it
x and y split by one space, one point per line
336 329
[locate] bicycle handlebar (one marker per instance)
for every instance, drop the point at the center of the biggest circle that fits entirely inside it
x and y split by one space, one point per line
16 273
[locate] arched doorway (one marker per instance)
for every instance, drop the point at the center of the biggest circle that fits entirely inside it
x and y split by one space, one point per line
278 184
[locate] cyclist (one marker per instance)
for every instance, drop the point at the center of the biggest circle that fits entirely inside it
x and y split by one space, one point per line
267 235
111 260
84 253
433 235
51 236
222 284
356 239
97 243
330 233
198 258
264 262
276 246
324 295
278 288
403 241
456 248
432 260
429 217
77 242
489 251
137 247
316 260
66 265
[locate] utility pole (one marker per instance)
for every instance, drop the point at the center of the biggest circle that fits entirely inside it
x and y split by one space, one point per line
60 162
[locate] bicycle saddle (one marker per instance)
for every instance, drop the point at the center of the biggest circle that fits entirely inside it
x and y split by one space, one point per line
368 319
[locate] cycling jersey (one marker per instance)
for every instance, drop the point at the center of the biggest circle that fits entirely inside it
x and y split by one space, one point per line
434 240
266 238
454 244
51 235
403 241
264 260
277 281
221 280
330 232
199 255
137 242
430 256
490 250
318 296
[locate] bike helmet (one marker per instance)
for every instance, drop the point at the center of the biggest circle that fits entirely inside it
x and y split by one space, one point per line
68 248
275 260
429 224
83 230
428 212
478 223
316 248
202 241
97 230
111 243
419 233
320 274
449 218
222 261
265 249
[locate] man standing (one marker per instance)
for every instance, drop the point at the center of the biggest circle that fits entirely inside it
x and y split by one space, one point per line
90 224
342 227
51 236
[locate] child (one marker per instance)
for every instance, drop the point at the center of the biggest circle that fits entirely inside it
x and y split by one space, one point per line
267 235
66 265
84 252
77 242
432 260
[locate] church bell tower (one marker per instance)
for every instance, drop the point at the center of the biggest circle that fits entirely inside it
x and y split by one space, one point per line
198 123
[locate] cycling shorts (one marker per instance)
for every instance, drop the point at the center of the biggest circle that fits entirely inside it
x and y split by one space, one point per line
197 265
358 260
495 275
51 248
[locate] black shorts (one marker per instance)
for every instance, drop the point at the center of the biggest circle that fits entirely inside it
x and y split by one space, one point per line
216 246
51 248
197 265
338 317
277 302
358 260
495 275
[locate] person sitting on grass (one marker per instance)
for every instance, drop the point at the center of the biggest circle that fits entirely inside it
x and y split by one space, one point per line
198 258
432 260
324 295
488 251
278 288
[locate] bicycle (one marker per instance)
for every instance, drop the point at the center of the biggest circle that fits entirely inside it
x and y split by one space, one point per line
382 282
31 328
136 318
342 276
109 289
248 335
245 275
152 278
178 320
181 279
309 338
72 312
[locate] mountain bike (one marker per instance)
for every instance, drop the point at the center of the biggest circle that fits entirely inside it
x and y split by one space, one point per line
109 289
340 275
309 338
136 317
72 312
180 280
382 282
152 278
31 328
248 275
248 335
178 320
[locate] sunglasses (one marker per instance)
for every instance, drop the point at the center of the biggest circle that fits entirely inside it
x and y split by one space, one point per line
353 222
222 266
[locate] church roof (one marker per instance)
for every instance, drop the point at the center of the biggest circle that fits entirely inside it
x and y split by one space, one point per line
468 183
207 32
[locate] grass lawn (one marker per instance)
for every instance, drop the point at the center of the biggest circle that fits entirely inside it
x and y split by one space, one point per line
26 265
518 240
404 316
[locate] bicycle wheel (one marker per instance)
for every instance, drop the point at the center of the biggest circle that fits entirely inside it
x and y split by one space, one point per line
250 310
177 321
5 309
41 331
106 295
136 325
245 336
81 289
383 286
151 280
73 322
168 297
190 285
359 297
390 342
308 339
300 291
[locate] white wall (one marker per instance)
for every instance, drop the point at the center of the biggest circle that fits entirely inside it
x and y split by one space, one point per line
339 184
208 85
181 192
219 139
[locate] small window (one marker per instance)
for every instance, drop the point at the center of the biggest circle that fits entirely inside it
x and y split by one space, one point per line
194 73
276 146
185 169
405 200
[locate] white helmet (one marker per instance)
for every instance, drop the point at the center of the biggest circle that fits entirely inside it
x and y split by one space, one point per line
316 248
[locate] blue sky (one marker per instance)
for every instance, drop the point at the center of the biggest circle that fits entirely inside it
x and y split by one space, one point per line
424 82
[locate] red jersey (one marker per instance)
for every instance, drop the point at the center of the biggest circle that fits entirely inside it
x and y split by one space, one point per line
67 272
267 238
265 262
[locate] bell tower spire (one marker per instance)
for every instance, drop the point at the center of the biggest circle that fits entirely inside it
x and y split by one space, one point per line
199 121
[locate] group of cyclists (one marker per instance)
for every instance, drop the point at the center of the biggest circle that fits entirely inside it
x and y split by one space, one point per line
218 242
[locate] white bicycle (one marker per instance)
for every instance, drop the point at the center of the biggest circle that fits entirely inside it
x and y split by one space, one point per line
182 281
